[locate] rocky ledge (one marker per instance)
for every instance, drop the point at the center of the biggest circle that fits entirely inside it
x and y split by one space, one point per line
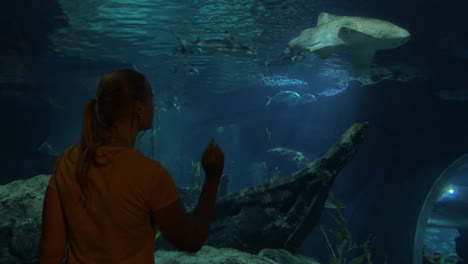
268 221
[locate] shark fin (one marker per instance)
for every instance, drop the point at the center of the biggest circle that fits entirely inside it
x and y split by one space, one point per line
325 18
268 101
362 57
296 45
324 53
361 46
315 46
308 31
354 37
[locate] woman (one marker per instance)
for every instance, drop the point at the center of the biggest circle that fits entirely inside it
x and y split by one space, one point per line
105 198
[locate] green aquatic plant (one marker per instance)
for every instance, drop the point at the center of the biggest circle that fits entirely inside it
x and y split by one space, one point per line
196 170
157 234
342 252
194 189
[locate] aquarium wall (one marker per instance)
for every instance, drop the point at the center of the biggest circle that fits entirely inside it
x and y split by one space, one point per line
363 100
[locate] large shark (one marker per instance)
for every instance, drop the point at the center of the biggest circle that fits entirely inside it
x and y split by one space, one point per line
359 36
228 45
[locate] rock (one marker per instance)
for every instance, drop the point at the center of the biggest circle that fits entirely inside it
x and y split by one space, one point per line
286 160
21 204
274 215
282 213
285 257
211 255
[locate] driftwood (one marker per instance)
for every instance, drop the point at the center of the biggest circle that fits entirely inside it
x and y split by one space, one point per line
281 214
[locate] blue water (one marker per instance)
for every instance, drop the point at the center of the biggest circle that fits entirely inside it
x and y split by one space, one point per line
54 54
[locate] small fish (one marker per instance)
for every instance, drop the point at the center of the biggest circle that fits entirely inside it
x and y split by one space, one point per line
284 97
228 45
192 71
330 92
291 98
340 87
185 69
285 58
308 98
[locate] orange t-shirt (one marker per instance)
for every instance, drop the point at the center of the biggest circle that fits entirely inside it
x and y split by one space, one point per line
116 226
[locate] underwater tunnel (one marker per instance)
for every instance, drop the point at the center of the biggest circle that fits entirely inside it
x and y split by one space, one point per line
442 225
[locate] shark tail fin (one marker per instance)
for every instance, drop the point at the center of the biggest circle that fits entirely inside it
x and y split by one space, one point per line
364 55
325 18
269 101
